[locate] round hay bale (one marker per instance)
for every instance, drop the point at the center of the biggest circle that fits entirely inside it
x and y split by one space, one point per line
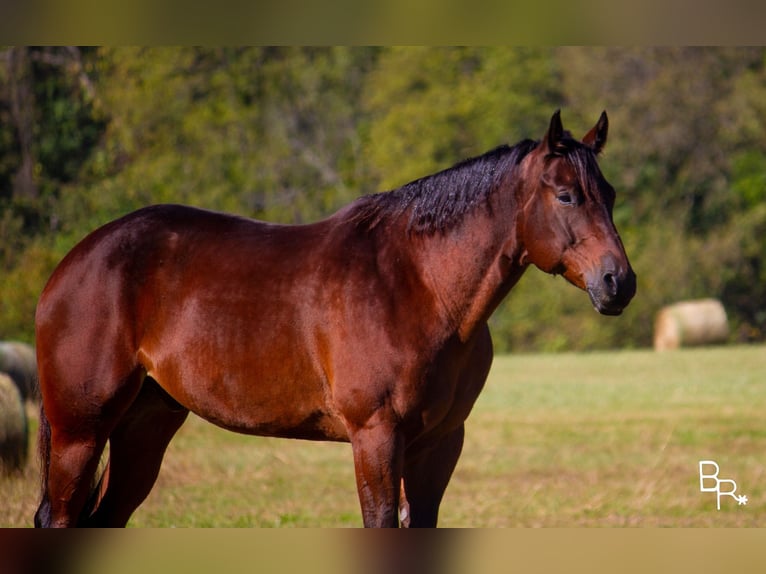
690 323
13 427
18 360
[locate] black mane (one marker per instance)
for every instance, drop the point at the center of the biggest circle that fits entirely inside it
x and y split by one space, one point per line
437 202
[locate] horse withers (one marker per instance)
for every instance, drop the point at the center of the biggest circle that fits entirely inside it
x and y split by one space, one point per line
369 326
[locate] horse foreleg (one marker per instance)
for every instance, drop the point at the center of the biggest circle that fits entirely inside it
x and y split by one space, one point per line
378 458
426 475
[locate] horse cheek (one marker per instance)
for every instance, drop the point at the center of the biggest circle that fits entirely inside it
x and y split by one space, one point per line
543 247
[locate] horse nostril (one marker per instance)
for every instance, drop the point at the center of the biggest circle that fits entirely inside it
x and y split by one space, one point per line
611 284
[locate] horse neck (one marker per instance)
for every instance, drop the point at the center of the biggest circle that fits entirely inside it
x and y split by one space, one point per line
471 267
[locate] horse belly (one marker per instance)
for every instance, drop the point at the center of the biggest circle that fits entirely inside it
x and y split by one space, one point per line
281 396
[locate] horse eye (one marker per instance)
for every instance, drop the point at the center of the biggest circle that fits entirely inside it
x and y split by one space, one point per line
565 198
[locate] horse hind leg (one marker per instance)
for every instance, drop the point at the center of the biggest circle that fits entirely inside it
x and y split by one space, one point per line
73 436
49 515
69 467
136 448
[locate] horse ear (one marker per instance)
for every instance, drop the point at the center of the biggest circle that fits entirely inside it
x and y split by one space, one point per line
555 131
596 137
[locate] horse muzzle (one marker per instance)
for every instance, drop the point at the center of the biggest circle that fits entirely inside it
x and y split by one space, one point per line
611 288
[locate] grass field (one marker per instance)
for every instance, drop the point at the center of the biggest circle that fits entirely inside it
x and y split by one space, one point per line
595 440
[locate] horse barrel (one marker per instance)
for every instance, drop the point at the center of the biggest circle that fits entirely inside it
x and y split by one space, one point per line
13 427
690 323
18 361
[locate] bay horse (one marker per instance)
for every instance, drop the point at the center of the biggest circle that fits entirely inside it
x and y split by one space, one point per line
368 327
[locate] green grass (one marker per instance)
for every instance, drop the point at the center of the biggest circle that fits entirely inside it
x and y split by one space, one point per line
595 439
614 439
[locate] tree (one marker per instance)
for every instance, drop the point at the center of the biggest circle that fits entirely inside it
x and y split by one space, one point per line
47 101
267 132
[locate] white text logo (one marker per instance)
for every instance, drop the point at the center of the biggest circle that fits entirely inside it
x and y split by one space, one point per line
709 482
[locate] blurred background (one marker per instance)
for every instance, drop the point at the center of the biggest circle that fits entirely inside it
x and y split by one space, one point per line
292 134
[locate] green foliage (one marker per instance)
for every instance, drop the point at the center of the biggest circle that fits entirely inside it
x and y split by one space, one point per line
291 134
67 128
268 132
21 287
432 107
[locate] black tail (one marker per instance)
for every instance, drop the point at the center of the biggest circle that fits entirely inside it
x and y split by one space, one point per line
43 514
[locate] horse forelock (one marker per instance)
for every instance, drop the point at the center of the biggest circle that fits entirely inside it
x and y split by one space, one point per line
437 202
583 161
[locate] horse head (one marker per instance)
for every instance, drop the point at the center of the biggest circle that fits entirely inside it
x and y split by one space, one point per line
566 222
